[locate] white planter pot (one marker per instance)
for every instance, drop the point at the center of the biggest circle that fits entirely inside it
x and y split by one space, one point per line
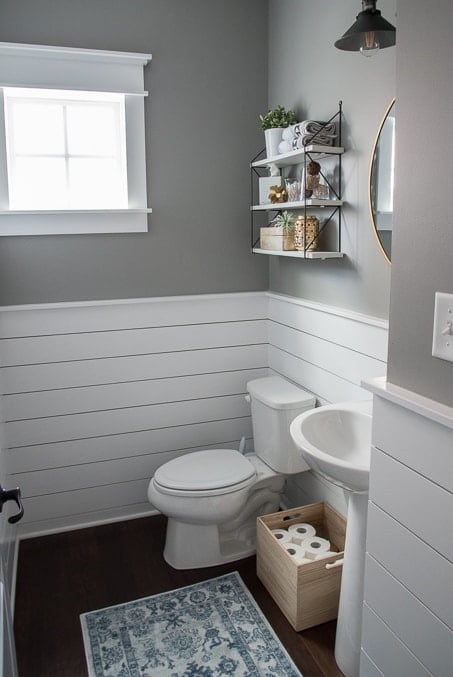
273 138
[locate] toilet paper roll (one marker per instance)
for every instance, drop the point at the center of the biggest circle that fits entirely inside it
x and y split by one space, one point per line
296 552
300 531
282 535
315 546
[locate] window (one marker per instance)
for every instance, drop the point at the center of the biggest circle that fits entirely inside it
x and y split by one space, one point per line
65 150
72 157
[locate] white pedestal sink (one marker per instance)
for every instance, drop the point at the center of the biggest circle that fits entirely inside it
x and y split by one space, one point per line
335 441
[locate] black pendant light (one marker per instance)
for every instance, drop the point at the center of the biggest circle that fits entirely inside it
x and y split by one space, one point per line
369 33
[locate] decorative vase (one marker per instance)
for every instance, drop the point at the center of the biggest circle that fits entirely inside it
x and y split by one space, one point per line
293 188
273 138
306 229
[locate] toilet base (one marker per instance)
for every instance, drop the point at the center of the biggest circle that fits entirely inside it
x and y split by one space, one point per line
196 546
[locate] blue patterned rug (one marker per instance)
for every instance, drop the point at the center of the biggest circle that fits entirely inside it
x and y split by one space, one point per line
210 629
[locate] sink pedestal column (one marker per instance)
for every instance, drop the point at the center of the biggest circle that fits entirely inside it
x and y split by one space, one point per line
349 624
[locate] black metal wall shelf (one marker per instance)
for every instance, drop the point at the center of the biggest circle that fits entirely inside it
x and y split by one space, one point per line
332 207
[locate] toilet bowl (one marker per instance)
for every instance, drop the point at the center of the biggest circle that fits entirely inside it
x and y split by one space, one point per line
213 497
210 517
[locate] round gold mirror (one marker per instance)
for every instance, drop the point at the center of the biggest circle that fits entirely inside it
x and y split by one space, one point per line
381 182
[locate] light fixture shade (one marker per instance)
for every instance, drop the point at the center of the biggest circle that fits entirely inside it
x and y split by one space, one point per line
368 21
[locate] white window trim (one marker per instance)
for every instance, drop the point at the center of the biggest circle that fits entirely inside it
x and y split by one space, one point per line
46 67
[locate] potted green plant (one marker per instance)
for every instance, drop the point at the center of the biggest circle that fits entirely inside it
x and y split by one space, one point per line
283 220
279 235
273 123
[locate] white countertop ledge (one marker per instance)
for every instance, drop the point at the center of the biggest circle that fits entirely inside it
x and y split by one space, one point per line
436 411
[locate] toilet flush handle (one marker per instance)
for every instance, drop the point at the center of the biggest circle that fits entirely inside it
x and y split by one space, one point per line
242 442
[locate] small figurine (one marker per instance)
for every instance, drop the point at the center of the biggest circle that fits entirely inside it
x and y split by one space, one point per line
277 194
312 178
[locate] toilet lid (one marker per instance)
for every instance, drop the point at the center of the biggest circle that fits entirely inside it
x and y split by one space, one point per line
202 470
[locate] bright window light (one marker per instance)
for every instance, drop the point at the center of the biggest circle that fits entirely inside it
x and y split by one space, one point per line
65 149
72 141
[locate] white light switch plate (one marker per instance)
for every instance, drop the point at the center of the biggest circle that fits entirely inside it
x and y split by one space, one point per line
443 326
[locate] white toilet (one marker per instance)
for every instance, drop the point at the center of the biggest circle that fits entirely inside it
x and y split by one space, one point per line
213 497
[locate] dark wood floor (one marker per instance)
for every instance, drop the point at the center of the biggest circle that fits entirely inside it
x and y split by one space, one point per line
64 575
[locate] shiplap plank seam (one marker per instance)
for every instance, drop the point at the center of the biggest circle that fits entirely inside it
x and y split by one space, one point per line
196 435
316 380
31 406
141 342
43 319
126 432
342 366
110 370
182 450
312 364
123 420
110 436
130 381
329 340
124 408
363 333
90 475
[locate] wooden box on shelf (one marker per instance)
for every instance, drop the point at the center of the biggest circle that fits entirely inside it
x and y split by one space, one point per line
277 238
307 593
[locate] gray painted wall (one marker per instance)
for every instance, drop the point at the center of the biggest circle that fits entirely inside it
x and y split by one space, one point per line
207 84
423 237
307 72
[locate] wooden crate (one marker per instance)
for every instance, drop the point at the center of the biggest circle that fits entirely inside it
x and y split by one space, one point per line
307 593
277 239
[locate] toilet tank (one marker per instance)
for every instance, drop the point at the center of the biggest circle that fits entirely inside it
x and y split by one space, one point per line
275 403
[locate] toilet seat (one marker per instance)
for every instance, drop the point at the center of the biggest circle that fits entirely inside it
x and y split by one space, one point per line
205 473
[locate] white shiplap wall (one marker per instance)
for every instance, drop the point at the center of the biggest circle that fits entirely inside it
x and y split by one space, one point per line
328 351
408 611
97 395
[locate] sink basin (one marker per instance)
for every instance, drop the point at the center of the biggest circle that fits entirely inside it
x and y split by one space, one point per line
335 441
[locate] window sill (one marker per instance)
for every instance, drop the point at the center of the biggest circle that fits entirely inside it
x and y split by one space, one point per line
74 221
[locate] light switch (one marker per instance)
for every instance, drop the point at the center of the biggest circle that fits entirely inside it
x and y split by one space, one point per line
443 326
